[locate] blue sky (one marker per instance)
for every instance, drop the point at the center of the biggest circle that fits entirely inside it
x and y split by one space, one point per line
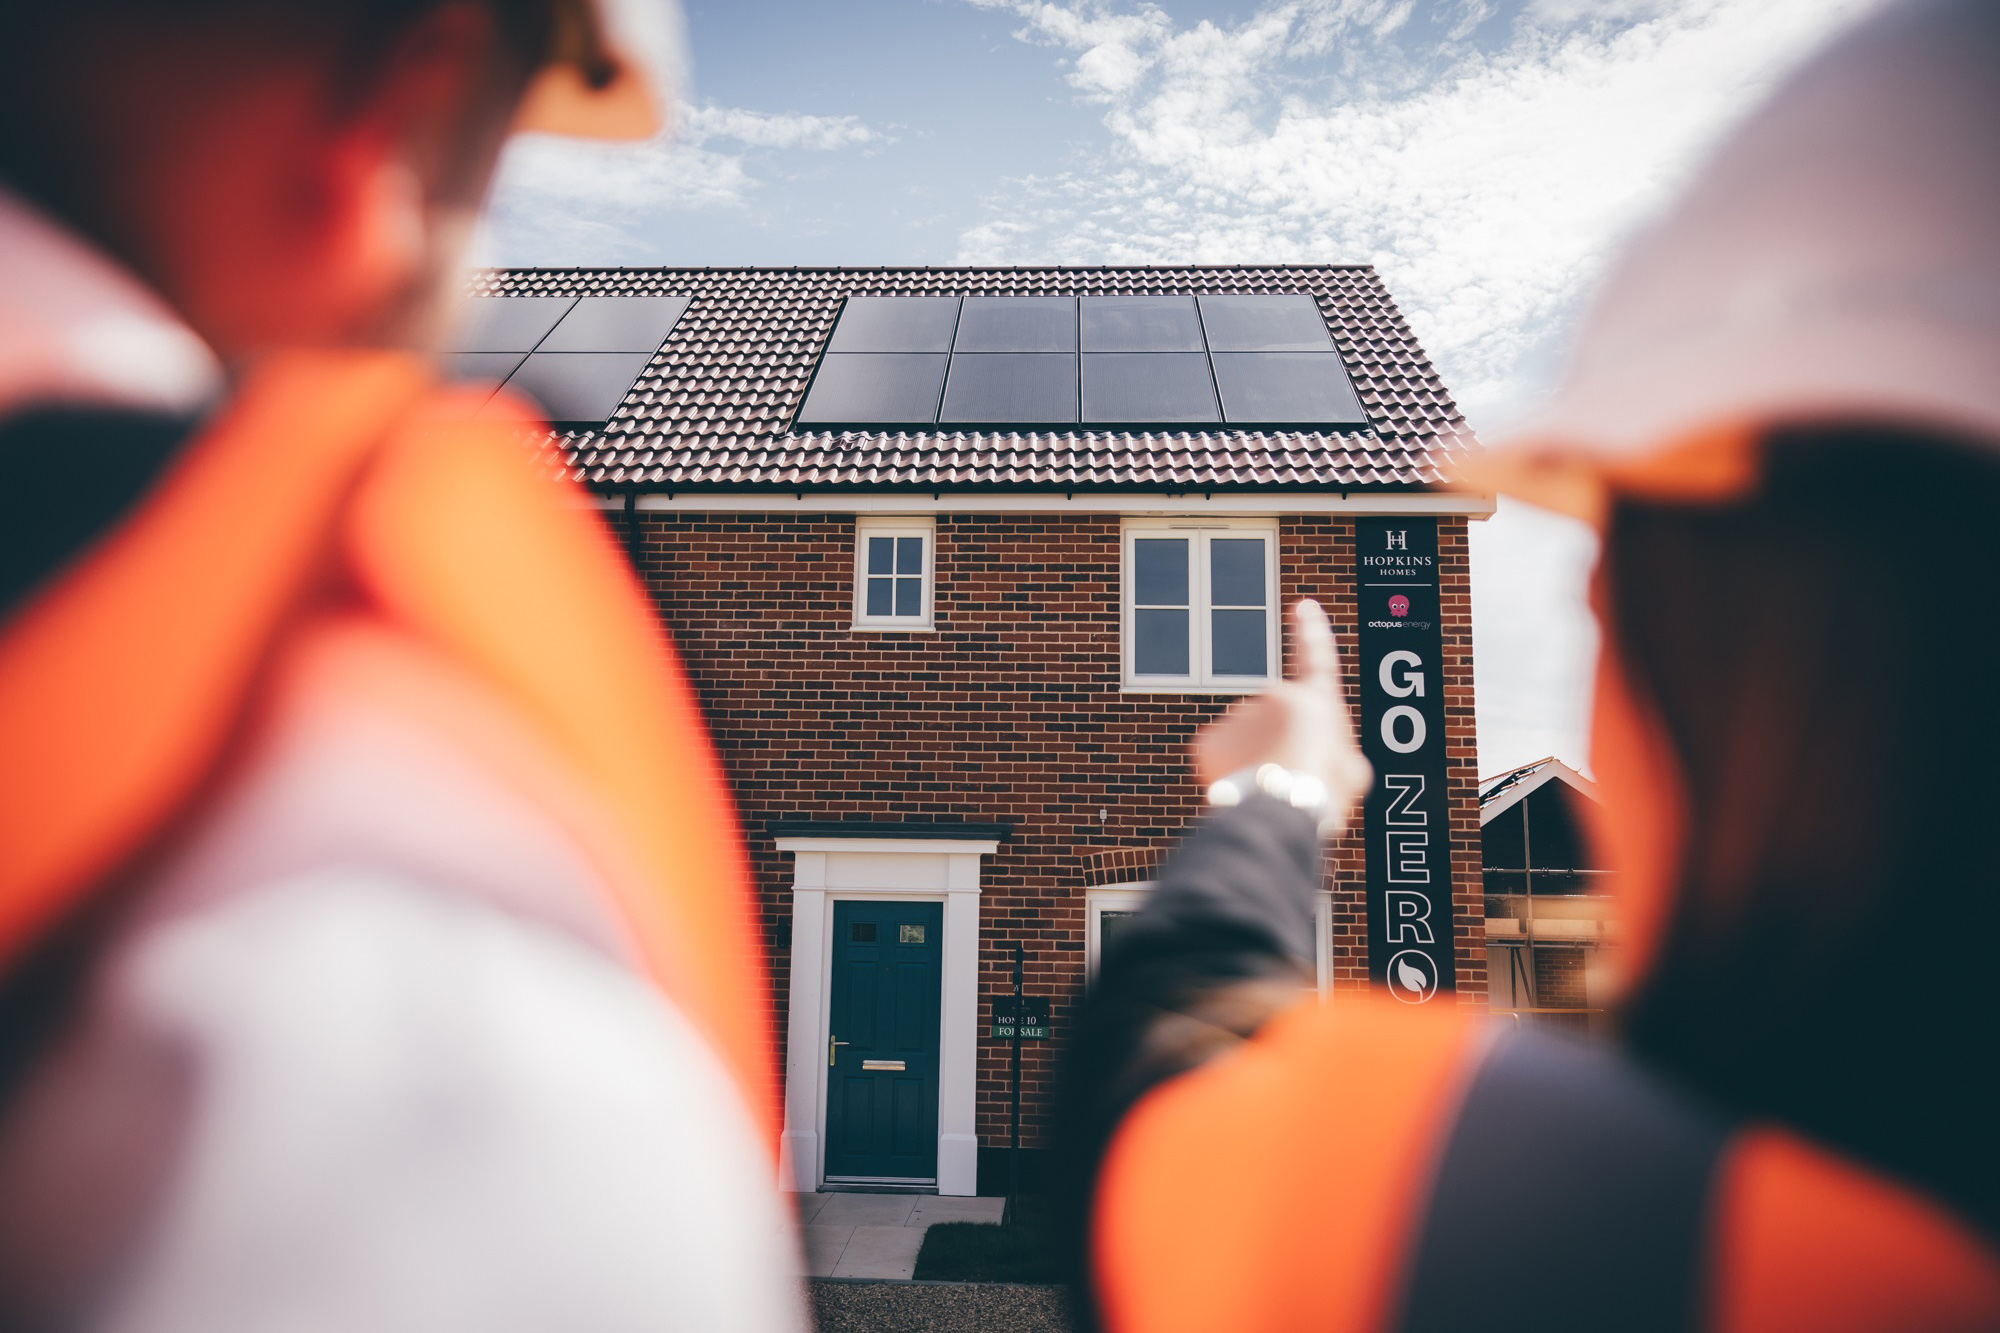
1488 156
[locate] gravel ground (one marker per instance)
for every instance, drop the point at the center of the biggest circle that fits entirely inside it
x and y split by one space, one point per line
861 1306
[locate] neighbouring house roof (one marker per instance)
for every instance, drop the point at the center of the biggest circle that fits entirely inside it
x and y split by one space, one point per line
1503 791
714 408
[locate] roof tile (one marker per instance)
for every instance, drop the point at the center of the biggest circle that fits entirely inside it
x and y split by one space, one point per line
713 408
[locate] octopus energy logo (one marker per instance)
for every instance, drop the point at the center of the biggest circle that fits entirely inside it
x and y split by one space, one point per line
1399 606
1412 976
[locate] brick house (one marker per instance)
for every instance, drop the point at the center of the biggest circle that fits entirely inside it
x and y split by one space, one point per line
958 562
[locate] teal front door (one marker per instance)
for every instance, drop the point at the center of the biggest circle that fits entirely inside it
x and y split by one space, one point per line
882 1083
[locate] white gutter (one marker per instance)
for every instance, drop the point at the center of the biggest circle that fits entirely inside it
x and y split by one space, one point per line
1074 502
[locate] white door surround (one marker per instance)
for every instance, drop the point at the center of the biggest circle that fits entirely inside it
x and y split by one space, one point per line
942 870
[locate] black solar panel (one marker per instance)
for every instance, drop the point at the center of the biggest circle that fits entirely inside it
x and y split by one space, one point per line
1010 389
1286 388
895 324
1138 324
616 324
1264 324
1138 387
579 386
508 323
884 388
1253 361
491 367
1017 324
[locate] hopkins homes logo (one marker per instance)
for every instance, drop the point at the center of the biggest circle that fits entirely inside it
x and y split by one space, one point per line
1395 561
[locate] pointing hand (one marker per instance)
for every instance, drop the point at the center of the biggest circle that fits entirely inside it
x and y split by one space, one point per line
1301 724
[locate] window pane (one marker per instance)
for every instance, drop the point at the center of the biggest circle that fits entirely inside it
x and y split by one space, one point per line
1160 642
1239 643
1160 571
909 597
1110 925
862 932
1236 571
909 555
881 593
881 555
908 934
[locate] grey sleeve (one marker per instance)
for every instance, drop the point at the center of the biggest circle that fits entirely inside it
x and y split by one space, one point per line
1224 942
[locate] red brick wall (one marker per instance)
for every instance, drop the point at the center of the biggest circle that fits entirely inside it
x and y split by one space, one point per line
1009 712
1559 977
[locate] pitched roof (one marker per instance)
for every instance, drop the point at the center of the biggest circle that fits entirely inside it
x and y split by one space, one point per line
714 408
1503 791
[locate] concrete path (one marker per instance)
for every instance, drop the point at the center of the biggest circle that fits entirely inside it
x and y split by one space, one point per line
878 1235
937 1307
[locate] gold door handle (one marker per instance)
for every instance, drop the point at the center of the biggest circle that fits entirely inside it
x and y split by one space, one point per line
830 1044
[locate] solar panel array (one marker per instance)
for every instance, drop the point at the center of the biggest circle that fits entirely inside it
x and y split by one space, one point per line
577 356
1104 361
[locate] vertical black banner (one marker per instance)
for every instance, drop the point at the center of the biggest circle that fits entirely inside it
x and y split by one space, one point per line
1404 820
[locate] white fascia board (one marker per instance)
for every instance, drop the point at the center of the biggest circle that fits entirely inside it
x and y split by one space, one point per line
949 846
1263 503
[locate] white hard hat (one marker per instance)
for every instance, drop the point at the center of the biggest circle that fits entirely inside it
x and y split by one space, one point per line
613 71
1837 261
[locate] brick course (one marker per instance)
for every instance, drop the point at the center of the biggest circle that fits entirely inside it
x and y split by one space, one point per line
1009 711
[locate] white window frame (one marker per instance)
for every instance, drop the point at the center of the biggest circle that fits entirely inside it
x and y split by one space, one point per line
1199 531
866 527
830 870
1132 896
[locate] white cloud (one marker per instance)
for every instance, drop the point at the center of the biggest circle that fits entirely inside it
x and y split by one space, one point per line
1488 194
1488 183
568 201
764 129
1534 640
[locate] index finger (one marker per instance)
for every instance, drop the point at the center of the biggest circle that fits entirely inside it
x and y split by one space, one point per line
1318 661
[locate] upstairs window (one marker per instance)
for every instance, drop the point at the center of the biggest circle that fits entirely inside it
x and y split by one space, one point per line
1200 608
892 574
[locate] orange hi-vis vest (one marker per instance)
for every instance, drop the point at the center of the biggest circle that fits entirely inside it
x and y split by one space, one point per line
347 521
1299 1184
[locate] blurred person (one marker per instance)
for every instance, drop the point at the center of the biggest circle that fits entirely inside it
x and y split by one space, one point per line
1784 418
376 950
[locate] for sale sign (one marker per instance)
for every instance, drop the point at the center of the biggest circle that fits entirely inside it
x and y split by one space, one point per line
1026 1018
1402 734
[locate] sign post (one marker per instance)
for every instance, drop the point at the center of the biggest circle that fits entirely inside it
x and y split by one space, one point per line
1026 1020
1404 821
1014 1150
